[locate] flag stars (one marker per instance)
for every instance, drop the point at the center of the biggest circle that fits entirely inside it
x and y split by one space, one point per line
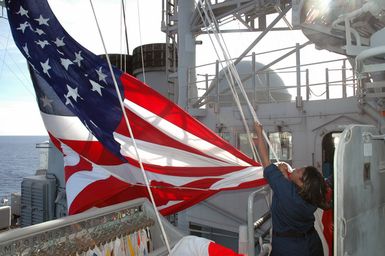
66 63
23 26
96 87
78 58
46 67
42 44
42 21
102 76
46 101
59 42
25 48
23 12
39 31
73 93
68 101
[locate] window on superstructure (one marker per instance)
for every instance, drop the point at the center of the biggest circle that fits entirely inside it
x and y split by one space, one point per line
282 145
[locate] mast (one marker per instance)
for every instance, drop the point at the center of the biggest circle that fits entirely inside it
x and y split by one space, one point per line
186 53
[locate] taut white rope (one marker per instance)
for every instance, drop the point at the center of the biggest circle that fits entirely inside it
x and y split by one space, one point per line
233 72
131 133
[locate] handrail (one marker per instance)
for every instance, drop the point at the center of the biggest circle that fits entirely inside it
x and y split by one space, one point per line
250 219
380 50
338 77
85 230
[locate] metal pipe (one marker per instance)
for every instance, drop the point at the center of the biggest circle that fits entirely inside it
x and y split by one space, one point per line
367 54
250 219
262 220
216 80
298 70
253 80
256 41
327 82
307 85
344 79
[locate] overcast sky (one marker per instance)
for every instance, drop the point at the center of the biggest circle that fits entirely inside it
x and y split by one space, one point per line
19 113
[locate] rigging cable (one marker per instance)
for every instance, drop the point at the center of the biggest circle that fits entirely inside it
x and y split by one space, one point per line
232 70
131 133
17 75
140 41
229 78
239 82
126 35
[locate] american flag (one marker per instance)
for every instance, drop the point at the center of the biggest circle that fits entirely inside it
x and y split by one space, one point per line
185 162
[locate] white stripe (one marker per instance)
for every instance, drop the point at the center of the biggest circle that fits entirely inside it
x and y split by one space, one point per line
81 179
133 175
66 127
236 178
156 154
169 204
183 136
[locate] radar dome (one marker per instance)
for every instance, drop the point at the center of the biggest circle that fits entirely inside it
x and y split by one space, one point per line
269 87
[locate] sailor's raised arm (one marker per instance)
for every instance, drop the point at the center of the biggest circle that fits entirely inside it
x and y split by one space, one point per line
261 145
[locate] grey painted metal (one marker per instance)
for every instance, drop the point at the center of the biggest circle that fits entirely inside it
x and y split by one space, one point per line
327 84
298 69
250 217
5 217
344 79
38 195
359 217
256 41
84 225
364 55
371 111
186 54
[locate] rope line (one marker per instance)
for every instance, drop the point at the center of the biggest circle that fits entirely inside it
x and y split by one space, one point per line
131 133
140 40
233 73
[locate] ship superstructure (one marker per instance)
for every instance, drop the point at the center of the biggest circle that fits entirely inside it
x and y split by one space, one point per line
306 108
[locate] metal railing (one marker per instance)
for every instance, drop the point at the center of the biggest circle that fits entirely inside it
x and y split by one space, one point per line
316 81
81 232
251 223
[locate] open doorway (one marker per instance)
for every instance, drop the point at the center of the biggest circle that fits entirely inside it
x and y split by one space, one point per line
329 144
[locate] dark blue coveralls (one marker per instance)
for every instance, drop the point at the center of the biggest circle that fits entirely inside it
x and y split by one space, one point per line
292 218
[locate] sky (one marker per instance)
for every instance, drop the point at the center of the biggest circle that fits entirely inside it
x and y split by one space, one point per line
19 113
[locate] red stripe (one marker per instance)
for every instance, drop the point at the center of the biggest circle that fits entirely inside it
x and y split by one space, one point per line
83 165
94 151
141 94
142 130
188 171
55 141
112 191
100 193
219 250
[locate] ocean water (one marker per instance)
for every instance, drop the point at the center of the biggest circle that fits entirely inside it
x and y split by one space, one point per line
19 158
